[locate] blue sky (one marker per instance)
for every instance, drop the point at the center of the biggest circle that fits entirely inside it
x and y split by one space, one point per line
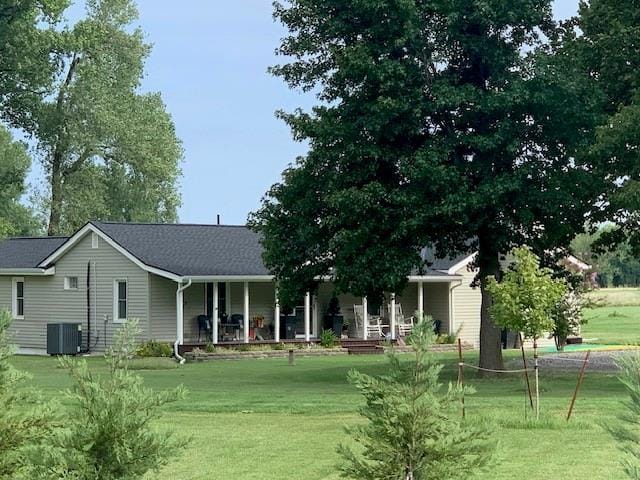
210 62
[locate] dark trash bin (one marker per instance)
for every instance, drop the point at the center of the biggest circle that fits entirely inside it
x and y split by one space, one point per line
289 324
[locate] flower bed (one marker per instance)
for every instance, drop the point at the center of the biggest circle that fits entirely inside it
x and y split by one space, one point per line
224 354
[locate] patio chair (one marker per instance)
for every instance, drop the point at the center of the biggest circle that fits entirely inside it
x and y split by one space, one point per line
237 323
374 326
404 324
204 323
358 320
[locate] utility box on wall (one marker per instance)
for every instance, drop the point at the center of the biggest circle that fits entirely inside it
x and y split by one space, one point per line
64 338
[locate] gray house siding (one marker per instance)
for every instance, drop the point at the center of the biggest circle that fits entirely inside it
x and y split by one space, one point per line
436 303
162 308
194 305
39 309
47 301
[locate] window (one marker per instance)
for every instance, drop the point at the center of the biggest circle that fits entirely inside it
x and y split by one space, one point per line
120 301
18 298
70 283
94 240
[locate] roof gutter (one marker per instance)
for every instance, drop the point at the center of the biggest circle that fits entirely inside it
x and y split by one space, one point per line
180 319
447 278
28 271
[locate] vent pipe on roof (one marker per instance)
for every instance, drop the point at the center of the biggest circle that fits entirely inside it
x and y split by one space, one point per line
218 219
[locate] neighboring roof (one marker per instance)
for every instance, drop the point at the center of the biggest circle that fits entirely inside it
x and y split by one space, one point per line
27 252
191 250
577 263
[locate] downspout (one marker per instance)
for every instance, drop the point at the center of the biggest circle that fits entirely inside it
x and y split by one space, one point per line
452 312
88 350
180 319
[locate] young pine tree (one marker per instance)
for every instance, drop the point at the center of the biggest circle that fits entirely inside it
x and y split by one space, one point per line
111 437
626 432
413 430
25 421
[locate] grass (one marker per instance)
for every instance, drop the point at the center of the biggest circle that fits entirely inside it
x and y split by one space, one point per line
262 419
616 317
617 297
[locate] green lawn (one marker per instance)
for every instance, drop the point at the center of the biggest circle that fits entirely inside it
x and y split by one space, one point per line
616 296
616 318
262 419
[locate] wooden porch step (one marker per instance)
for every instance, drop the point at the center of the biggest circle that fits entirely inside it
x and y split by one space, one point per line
365 350
354 342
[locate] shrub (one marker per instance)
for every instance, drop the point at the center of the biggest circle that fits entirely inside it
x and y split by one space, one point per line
154 349
210 348
328 339
445 339
568 317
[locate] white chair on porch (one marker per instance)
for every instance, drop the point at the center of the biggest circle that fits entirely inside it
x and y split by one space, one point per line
358 320
374 326
403 324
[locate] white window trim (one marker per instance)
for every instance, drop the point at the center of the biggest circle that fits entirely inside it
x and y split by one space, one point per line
14 297
95 240
67 283
115 300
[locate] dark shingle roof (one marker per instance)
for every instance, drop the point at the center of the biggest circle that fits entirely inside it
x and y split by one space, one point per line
191 250
442 264
182 249
27 252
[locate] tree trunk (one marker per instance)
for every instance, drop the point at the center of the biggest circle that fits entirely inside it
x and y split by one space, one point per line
490 334
56 197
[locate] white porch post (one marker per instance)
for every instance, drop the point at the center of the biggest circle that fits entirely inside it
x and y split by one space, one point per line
216 314
451 328
314 309
393 316
246 312
365 318
276 326
307 316
420 299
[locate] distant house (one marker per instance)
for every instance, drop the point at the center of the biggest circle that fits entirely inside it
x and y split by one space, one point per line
174 278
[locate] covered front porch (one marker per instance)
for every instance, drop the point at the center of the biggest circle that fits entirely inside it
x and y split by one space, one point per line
247 311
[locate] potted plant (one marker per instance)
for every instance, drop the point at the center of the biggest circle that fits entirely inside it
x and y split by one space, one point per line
333 319
258 321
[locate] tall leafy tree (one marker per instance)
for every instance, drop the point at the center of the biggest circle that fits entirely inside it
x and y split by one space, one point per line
27 29
90 116
15 218
450 123
609 53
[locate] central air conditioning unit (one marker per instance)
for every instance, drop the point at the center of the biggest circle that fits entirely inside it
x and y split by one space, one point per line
64 338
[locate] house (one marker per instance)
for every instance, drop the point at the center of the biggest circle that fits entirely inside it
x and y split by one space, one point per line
169 275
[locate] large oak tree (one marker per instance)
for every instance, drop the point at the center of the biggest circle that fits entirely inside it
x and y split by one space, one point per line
446 123
609 52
